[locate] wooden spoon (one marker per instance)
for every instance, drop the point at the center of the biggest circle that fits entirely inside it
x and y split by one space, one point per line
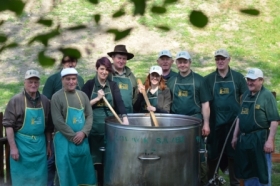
148 104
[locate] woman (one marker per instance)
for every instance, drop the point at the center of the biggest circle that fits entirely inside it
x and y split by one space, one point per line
96 89
159 95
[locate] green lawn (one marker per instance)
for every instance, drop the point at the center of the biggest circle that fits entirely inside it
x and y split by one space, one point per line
251 41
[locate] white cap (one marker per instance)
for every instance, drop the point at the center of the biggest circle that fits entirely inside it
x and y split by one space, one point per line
254 73
68 71
164 53
183 54
31 73
222 52
156 69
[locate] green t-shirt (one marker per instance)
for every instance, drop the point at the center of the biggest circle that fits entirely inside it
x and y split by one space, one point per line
239 82
200 95
226 98
53 84
264 110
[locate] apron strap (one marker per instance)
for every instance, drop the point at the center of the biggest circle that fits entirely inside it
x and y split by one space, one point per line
78 98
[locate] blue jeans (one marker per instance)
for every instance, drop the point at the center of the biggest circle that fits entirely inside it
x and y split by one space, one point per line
255 181
51 167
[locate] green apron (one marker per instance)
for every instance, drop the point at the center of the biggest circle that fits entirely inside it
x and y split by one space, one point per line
100 112
73 162
31 168
226 104
224 110
126 90
184 99
153 98
250 160
184 103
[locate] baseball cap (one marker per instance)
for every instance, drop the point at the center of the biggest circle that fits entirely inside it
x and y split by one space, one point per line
254 73
68 71
183 54
222 52
31 73
156 69
164 53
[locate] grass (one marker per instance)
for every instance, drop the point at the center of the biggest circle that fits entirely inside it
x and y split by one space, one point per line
251 41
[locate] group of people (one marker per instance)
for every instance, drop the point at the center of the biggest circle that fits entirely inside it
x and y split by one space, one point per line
75 114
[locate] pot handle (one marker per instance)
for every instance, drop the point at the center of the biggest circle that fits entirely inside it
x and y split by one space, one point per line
102 149
148 157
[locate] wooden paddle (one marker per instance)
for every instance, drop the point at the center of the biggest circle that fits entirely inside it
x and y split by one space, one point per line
148 104
112 110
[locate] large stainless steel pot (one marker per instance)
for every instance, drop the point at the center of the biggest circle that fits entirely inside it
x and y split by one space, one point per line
142 155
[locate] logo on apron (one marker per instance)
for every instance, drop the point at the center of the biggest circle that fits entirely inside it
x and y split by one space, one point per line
257 106
77 120
224 90
123 86
36 121
100 103
245 111
183 93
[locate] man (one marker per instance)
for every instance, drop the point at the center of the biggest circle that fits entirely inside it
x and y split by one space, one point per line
123 76
165 61
227 87
27 125
52 85
254 133
190 97
72 118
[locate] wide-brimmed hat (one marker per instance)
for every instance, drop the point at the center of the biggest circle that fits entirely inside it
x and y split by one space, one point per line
120 49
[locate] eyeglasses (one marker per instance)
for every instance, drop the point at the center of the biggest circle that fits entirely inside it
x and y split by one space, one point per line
220 58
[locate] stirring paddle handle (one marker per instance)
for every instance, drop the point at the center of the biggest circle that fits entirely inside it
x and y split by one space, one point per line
112 110
148 104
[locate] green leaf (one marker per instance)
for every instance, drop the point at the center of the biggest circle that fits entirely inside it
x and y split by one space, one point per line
198 19
15 6
158 10
11 45
97 18
139 7
45 60
44 38
71 52
3 38
78 27
46 22
1 22
164 28
94 1
119 34
170 2
119 13
253 12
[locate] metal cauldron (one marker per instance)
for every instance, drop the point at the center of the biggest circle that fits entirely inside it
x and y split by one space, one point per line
142 155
